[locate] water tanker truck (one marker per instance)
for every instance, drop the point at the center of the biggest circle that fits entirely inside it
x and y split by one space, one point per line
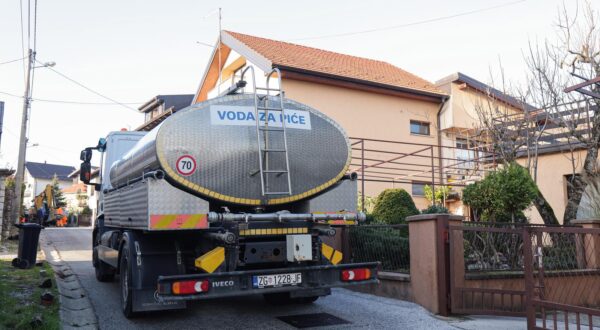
241 194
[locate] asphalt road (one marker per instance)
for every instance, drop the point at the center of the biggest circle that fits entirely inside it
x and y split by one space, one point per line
361 310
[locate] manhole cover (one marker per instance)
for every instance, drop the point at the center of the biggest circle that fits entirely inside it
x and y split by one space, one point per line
302 321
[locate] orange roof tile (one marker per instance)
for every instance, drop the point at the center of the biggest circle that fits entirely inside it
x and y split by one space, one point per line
321 61
78 187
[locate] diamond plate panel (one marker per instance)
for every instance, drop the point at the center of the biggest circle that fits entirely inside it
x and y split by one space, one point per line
131 206
342 197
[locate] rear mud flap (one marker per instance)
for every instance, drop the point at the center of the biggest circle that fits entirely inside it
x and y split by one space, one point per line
147 300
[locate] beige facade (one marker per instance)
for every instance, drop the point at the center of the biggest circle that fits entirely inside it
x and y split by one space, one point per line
369 115
363 110
459 150
553 170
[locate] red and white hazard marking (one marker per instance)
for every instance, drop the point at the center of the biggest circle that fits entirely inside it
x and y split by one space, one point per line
186 165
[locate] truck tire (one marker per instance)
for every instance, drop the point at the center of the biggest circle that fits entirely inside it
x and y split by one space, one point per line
104 272
125 283
283 298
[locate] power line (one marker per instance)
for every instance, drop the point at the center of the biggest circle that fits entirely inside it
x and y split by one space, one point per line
11 61
393 27
10 94
88 88
69 101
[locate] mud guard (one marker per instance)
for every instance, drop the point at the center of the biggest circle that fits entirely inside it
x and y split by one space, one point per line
151 256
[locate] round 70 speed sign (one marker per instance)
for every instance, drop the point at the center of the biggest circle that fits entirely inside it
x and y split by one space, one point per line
186 165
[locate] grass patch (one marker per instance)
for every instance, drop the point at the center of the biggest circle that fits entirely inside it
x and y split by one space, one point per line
20 297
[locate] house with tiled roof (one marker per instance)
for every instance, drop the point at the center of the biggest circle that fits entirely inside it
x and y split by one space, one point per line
369 98
38 175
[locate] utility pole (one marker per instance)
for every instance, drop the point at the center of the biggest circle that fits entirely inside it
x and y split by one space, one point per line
17 201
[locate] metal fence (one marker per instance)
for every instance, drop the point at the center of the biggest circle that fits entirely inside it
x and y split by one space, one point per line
387 244
549 273
566 277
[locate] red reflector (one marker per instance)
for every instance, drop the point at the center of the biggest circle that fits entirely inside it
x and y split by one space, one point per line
189 287
358 274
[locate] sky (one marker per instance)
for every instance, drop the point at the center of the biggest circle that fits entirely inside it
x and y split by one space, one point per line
131 51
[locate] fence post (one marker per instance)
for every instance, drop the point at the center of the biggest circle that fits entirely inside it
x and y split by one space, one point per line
591 242
529 284
430 260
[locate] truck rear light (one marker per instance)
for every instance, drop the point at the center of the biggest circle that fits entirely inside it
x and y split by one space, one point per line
357 274
189 287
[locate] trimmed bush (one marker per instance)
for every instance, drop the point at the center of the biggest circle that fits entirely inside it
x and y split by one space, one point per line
433 209
502 195
393 206
382 244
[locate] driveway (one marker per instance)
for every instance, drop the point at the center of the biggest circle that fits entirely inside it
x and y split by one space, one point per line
357 309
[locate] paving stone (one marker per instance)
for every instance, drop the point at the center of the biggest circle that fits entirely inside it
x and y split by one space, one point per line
73 294
71 278
78 318
85 327
69 285
75 304
76 311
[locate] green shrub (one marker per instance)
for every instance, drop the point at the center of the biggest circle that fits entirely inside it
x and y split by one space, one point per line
384 244
502 195
433 209
393 206
441 193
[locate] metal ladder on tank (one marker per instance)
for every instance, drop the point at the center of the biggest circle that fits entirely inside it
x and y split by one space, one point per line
262 133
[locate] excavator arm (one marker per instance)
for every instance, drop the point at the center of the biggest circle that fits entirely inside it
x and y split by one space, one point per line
48 196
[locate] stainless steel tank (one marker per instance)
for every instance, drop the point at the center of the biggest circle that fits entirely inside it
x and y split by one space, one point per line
211 149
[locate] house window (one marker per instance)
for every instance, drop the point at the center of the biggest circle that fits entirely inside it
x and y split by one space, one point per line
418 188
419 127
462 143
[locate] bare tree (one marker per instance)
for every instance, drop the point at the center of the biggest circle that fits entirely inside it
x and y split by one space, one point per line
513 128
553 67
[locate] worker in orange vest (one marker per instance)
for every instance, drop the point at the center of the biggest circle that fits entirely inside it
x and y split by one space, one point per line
61 220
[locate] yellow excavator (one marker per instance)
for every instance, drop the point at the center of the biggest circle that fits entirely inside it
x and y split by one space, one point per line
46 210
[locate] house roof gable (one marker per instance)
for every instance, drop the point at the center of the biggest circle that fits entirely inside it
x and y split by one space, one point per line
48 171
485 89
292 56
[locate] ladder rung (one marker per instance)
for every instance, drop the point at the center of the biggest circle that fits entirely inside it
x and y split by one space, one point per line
268 89
269 108
273 150
275 171
271 129
277 193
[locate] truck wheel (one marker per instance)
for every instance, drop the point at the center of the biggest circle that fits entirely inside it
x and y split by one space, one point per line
104 273
125 281
283 298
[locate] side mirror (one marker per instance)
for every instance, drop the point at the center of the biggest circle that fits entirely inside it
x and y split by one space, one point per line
86 155
85 172
101 145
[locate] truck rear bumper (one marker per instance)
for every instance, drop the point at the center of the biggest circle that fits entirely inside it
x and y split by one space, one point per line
241 283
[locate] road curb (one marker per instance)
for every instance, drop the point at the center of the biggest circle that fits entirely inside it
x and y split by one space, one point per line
76 310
